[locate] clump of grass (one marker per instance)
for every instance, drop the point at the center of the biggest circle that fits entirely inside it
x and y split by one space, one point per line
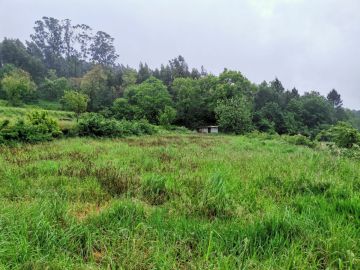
154 190
76 169
115 182
215 200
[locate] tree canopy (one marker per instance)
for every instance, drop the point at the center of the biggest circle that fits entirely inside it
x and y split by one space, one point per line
60 56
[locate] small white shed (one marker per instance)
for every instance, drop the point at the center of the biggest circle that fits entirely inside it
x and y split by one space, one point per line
209 129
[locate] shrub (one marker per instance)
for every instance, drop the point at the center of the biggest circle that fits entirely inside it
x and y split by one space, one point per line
18 87
36 128
342 134
75 101
299 140
93 124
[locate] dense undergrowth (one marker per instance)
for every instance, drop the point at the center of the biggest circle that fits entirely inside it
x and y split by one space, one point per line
39 126
178 202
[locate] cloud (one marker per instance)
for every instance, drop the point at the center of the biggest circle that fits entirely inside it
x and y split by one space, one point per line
266 8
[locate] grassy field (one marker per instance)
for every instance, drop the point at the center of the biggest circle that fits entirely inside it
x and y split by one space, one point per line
177 202
64 118
12 113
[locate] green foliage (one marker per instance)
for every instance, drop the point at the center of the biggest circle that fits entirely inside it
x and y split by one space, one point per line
7 69
150 97
37 127
19 87
234 115
102 49
75 101
96 125
122 109
334 98
93 124
53 87
353 117
14 52
144 73
312 111
270 117
299 140
195 100
129 77
4 70
233 83
167 117
95 85
84 60
342 134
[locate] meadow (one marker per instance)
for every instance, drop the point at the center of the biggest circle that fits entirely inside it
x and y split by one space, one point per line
177 202
53 109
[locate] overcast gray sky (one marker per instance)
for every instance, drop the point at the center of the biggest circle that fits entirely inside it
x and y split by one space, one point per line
310 44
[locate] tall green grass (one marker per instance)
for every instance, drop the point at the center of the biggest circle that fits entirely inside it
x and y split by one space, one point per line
177 202
12 113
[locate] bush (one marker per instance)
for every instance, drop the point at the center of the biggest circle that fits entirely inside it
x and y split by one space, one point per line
342 134
19 87
299 140
37 127
93 124
75 101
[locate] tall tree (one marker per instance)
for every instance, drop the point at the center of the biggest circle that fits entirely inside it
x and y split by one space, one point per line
195 74
95 85
129 77
277 85
150 97
189 102
234 115
83 37
165 75
48 37
102 49
233 83
179 68
13 51
335 98
144 73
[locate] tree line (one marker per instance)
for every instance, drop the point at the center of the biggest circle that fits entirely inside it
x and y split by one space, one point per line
77 67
